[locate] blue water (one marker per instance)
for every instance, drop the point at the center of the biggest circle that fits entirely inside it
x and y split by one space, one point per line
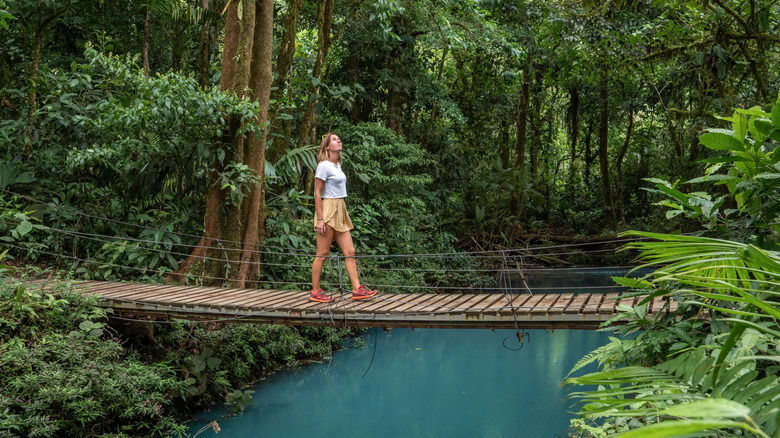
422 383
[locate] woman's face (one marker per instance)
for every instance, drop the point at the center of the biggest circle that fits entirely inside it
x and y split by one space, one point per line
335 144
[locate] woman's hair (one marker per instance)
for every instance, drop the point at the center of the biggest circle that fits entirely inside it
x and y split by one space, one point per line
324 154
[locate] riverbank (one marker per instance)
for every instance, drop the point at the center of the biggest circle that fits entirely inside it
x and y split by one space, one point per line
71 369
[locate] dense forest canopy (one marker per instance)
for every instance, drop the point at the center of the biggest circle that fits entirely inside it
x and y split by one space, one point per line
495 119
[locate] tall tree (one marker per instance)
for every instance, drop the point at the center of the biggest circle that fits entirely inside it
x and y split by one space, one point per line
238 226
324 40
284 66
42 15
606 188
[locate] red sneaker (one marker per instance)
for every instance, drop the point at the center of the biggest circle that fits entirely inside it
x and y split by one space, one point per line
320 297
362 293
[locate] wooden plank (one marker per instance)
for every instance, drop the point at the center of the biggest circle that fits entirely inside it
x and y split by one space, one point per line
113 290
529 305
177 296
147 293
375 303
399 300
173 298
269 296
546 302
495 305
138 289
100 288
288 301
518 304
560 306
259 302
242 296
305 304
452 303
657 305
154 293
482 308
458 303
144 294
593 304
476 305
577 304
414 305
626 301
609 303
218 298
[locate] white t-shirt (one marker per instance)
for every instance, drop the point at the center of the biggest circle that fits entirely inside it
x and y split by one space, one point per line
335 180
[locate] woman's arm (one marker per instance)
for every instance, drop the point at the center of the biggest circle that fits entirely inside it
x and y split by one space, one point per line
319 224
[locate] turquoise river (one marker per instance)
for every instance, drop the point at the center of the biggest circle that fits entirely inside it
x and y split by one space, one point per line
421 383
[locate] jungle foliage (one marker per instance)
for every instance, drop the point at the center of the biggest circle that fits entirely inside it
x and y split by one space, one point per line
70 371
713 364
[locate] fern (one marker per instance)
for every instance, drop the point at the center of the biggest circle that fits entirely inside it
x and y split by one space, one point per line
601 354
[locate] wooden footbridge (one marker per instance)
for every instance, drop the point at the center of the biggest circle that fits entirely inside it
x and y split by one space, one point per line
492 311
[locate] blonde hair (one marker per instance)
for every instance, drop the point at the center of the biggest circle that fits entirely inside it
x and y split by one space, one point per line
324 154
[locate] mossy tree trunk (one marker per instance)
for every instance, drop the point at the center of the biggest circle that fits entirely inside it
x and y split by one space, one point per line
234 232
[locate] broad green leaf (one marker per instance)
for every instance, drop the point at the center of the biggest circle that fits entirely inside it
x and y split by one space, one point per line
768 176
709 408
776 114
678 428
721 142
753 111
711 178
24 227
763 126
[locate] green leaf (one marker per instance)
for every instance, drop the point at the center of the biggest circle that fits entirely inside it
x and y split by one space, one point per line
213 363
776 115
768 176
678 428
763 19
24 227
721 142
763 126
711 178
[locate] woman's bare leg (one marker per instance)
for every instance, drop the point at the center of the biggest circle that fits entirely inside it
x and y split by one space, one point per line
344 240
323 250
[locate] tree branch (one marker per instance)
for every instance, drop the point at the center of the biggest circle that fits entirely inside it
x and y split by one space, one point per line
734 14
674 49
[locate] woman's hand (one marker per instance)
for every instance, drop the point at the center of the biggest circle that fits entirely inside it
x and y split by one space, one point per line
320 227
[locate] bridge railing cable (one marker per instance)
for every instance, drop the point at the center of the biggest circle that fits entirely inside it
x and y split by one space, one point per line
489 253
474 271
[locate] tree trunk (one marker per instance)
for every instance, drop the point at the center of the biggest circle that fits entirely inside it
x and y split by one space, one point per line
324 25
522 124
588 156
230 45
226 228
204 78
176 48
606 189
573 130
147 69
284 63
536 127
32 94
619 164
262 76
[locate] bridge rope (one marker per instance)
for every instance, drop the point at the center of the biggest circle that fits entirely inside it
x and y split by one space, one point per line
492 253
381 263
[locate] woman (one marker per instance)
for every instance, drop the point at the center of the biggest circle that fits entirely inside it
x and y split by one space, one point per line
331 220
